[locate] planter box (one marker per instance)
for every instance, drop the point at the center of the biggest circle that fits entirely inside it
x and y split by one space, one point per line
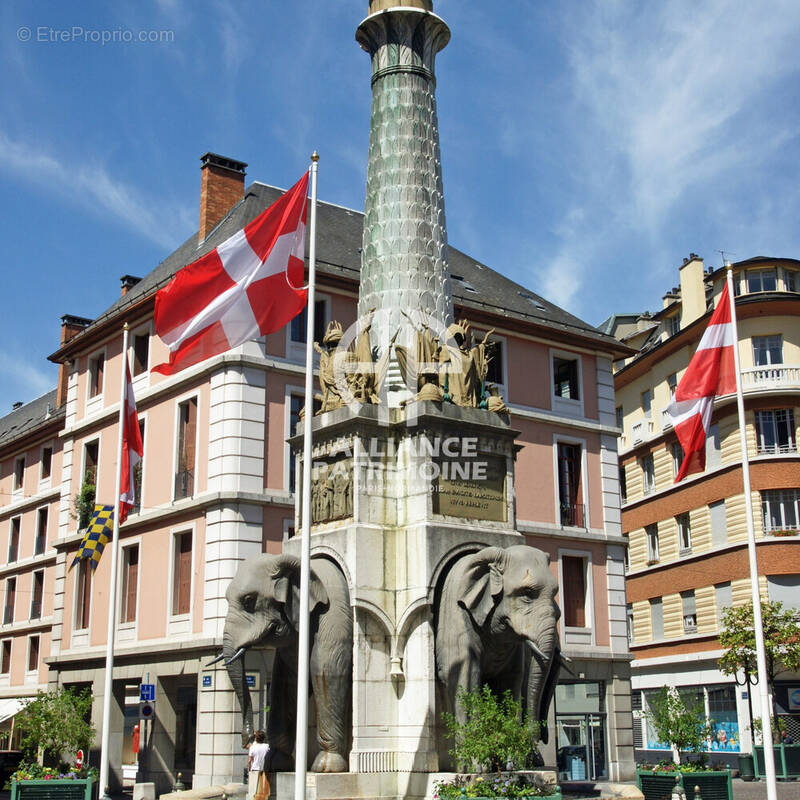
787 760
556 796
659 785
54 789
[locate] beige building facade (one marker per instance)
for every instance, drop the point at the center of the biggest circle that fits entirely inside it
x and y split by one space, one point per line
687 542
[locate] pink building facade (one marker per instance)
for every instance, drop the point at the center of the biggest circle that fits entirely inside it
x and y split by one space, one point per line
217 486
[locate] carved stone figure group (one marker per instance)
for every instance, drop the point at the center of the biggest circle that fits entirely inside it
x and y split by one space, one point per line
453 370
332 491
495 624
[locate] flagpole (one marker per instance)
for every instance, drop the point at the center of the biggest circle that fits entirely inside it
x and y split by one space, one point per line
301 743
105 756
758 624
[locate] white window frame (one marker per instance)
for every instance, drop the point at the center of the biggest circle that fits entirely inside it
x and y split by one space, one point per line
646 398
18 491
46 483
19 539
759 271
790 284
564 405
648 487
5 677
691 625
296 351
288 391
36 532
672 385
79 637
143 418
653 554
127 631
32 672
781 497
179 623
772 414
141 380
94 404
288 523
478 335
175 434
97 437
629 623
30 608
675 449
769 340
8 580
684 532
586 635
559 439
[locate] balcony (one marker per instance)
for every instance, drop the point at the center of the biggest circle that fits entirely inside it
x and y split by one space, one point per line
184 484
572 515
774 376
8 615
642 430
36 609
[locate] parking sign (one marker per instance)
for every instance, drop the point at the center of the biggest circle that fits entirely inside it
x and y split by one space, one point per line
147 692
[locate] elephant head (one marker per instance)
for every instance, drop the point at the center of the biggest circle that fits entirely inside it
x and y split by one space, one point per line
263 609
510 594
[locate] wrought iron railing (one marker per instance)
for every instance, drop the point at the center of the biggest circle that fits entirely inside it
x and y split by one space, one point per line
572 515
184 484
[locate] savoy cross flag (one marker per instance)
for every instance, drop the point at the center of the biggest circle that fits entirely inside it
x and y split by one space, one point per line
710 373
242 289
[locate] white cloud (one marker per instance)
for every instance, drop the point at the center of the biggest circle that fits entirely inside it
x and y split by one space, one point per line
20 376
92 186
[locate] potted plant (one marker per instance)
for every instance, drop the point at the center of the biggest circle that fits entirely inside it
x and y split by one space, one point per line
52 725
683 725
498 738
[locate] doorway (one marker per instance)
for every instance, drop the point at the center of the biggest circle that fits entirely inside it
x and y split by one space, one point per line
581 731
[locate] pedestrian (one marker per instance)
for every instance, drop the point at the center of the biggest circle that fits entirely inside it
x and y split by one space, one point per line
786 737
257 784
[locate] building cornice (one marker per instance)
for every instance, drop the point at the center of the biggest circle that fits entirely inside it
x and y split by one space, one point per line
31 501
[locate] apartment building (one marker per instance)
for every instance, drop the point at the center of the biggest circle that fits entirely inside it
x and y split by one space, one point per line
217 482
687 542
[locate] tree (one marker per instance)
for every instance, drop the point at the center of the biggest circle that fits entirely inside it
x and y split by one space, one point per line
495 734
781 641
678 721
56 722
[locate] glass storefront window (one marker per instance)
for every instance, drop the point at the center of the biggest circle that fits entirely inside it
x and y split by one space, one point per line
580 730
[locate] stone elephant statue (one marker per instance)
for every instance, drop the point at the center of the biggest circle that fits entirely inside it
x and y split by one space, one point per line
263 610
496 625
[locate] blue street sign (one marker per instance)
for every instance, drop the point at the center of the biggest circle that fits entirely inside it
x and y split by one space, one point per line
147 692
251 681
206 681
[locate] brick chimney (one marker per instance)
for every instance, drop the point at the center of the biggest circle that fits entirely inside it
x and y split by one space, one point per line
70 326
127 282
693 289
221 188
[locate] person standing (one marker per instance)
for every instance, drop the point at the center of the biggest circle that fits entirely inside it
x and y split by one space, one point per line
257 786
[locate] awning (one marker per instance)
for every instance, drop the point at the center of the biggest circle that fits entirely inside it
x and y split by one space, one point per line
9 706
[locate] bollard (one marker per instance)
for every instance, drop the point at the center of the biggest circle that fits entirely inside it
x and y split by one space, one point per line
678 792
697 793
179 785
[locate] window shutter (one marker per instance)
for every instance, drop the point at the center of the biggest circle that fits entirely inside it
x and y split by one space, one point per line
574 591
183 574
131 580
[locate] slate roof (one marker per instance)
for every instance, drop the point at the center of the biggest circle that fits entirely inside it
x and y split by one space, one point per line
27 418
339 253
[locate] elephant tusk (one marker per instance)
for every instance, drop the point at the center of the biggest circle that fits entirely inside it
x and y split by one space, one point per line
566 661
216 660
235 657
537 652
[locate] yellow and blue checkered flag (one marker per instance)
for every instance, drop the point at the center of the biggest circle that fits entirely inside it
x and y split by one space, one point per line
98 533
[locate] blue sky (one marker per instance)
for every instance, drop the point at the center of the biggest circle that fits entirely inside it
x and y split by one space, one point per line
587 147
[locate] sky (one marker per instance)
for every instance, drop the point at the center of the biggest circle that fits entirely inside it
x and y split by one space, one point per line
587 147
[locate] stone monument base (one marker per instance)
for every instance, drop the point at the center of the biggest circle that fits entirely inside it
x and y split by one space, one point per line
370 785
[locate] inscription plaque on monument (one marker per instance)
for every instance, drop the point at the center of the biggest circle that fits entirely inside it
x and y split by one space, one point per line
474 488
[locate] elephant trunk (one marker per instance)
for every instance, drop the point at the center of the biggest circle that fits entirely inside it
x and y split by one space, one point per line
542 677
235 667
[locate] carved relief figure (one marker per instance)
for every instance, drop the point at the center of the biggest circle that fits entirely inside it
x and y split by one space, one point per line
331 397
496 622
465 366
263 610
419 365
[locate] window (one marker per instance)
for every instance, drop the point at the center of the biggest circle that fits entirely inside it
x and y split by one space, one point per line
620 418
137 475
724 597
295 406
689 612
299 324
767 350
496 372
629 619
130 582
783 589
651 531
40 543
5 658
646 403
19 472
96 367
11 597
574 597
657 618
33 653
46 463
672 384
775 431
37 594
91 454
673 324
83 594
684 533
677 457
182 573
762 280
13 539
565 378
570 490
187 435
623 485
789 280
648 474
719 523
779 508
626 559
140 352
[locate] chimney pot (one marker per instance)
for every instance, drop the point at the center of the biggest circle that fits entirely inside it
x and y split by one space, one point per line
16 405
127 282
221 188
70 326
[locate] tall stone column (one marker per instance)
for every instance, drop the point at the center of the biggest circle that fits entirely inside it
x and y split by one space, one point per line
404 254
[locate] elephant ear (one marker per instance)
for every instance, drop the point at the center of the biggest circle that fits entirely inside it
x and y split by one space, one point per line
286 587
482 583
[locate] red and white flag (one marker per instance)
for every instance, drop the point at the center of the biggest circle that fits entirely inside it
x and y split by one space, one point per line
710 373
132 450
240 290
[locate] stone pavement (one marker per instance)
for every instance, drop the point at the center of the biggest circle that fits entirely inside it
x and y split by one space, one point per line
757 790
